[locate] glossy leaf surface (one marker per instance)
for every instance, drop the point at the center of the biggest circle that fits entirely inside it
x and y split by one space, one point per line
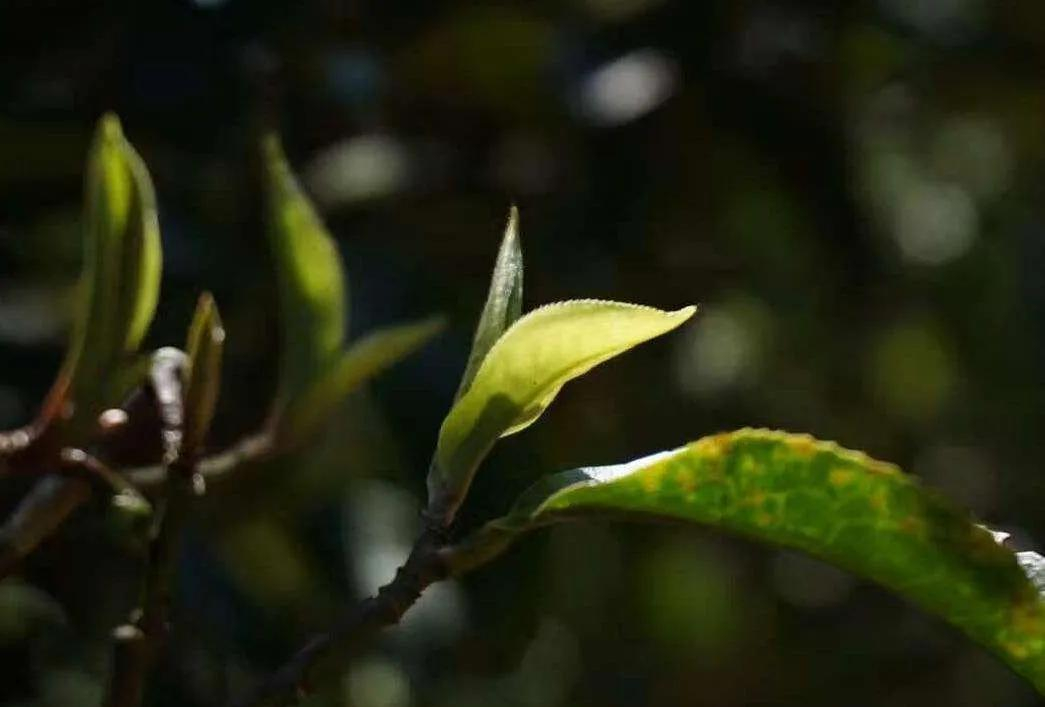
841 506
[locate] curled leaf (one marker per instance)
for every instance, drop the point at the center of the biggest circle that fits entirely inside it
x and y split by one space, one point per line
120 281
521 375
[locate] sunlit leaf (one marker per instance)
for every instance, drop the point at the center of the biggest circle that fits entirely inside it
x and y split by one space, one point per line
203 372
521 375
841 506
120 282
310 280
503 302
365 359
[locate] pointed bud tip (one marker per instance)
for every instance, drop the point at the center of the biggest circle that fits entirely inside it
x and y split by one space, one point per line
687 312
109 128
272 147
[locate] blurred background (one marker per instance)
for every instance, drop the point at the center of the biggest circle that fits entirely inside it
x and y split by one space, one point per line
853 191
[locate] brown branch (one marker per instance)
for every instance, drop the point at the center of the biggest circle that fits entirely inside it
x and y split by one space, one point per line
323 656
214 469
322 659
139 641
54 498
41 512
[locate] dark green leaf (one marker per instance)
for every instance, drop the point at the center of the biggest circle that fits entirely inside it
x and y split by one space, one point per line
841 506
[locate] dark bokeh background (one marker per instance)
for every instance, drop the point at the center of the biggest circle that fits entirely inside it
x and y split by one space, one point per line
851 190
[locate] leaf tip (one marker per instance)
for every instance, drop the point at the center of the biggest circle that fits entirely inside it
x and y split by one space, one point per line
109 128
272 147
208 310
686 312
512 229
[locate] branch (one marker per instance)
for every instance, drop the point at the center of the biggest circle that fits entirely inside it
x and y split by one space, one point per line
139 641
323 656
432 559
216 468
39 514
54 498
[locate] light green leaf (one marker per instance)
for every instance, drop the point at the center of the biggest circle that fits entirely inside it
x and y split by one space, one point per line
312 292
365 359
503 302
521 375
202 375
120 282
841 506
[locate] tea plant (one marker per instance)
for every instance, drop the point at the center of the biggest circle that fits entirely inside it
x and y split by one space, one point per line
786 489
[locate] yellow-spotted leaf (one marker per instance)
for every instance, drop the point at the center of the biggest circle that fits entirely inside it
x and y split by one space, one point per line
202 375
310 280
120 282
521 375
365 359
860 514
503 302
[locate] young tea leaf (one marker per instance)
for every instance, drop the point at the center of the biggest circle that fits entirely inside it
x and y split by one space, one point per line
841 506
120 282
202 379
310 280
521 375
365 359
503 302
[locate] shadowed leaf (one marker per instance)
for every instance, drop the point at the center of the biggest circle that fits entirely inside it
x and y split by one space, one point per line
310 279
365 359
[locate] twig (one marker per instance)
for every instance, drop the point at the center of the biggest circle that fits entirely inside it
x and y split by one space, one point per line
54 498
138 642
39 514
322 657
215 468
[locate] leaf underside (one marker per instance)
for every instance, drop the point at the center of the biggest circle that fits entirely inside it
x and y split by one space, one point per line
841 506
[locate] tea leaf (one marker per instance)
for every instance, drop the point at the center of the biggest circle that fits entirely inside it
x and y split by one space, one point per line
311 283
503 302
841 506
521 375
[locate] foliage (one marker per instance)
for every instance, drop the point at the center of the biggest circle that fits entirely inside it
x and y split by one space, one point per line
789 490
